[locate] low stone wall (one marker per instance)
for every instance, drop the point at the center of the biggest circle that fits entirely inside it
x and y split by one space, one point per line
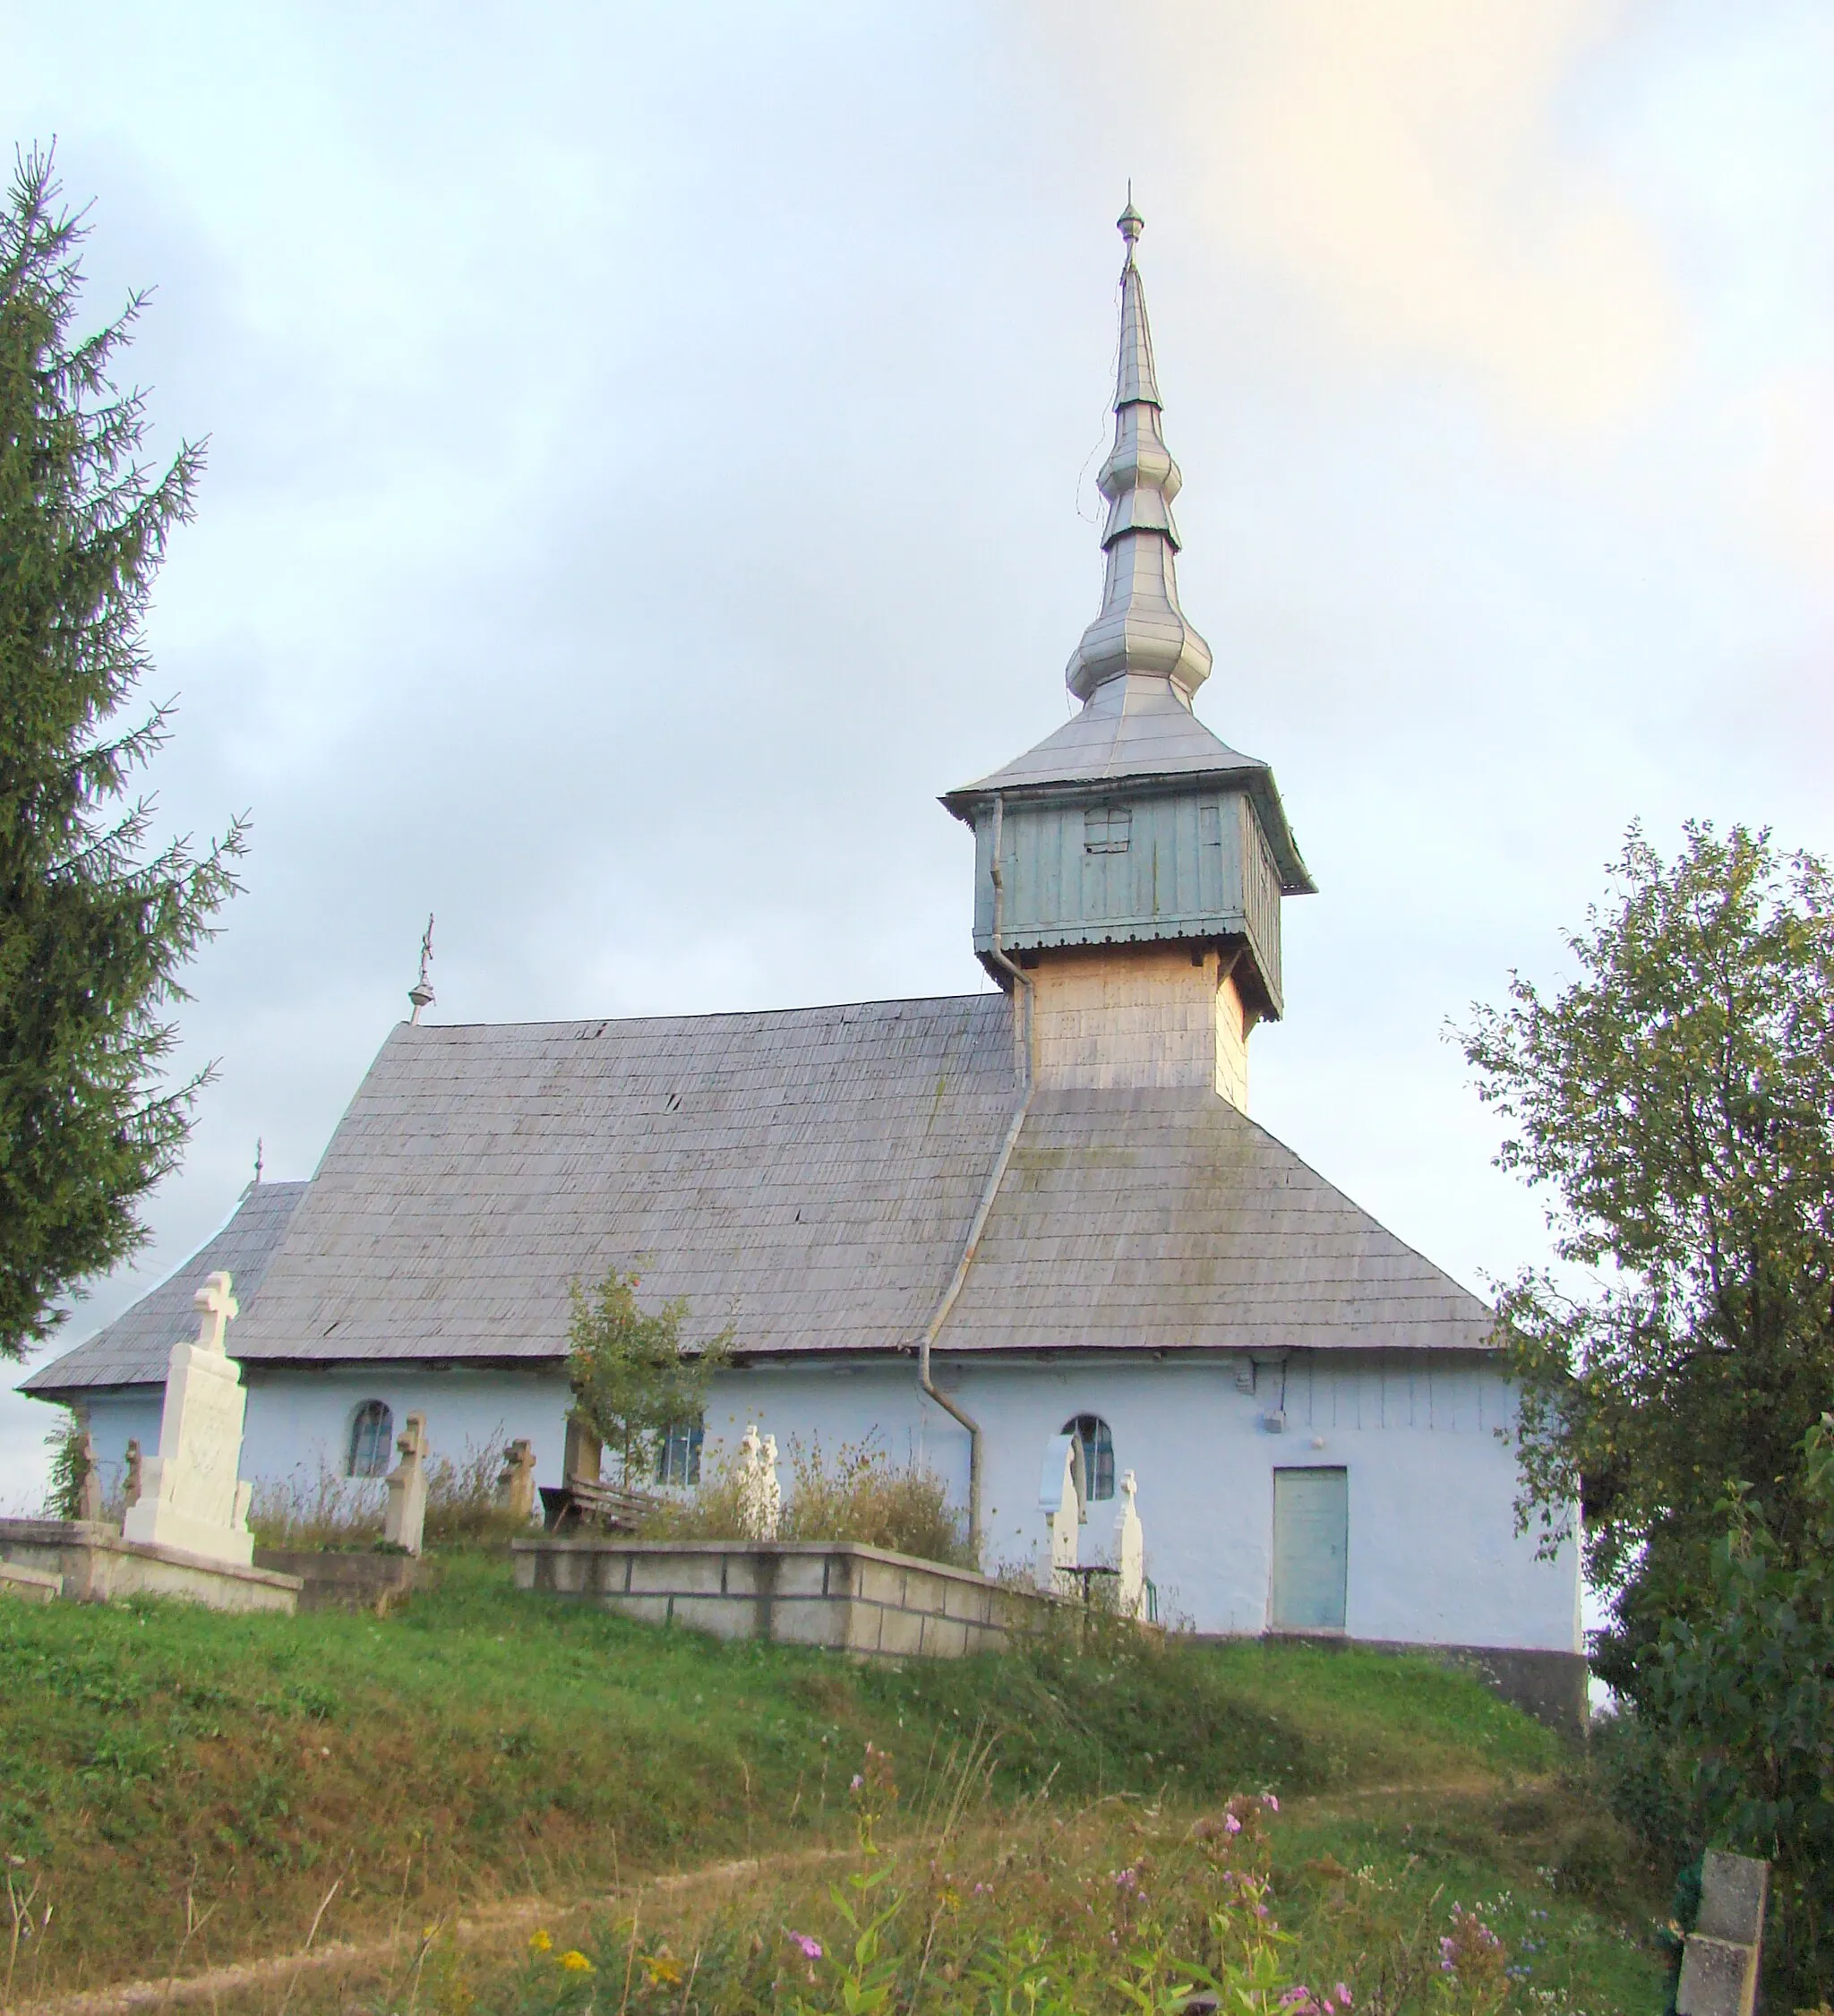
859 1599
335 1581
94 1565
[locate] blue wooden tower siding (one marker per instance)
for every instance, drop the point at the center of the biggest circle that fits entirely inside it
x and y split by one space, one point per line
963 1226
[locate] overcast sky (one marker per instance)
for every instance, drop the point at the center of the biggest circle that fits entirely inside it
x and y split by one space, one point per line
652 455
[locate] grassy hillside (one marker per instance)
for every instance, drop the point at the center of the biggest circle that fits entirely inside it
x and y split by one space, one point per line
186 1789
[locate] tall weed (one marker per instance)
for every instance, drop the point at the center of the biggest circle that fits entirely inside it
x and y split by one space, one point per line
859 1495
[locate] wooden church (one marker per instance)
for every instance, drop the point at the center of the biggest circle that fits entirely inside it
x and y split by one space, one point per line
964 1226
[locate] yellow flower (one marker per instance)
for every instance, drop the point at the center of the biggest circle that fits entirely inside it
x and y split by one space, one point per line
540 1943
576 1962
663 1969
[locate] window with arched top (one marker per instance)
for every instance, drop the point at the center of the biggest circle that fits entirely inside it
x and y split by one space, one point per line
1095 1442
372 1431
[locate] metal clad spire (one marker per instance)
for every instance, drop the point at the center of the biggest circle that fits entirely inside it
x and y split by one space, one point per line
1140 629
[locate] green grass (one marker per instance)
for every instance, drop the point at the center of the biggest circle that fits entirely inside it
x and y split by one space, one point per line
185 1788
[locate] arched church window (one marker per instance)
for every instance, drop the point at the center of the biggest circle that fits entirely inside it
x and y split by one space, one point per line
372 1431
1095 1443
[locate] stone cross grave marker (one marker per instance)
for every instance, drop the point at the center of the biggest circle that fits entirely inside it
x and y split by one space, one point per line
191 1498
1719 1963
1061 1498
760 1496
1130 1553
404 1524
516 1485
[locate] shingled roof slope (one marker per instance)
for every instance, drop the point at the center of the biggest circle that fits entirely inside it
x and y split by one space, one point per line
133 1349
1164 1220
806 1175
809 1176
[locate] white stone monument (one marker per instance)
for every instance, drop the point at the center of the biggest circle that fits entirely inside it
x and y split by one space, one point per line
1130 1555
1060 1498
190 1499
404 1524
760 1496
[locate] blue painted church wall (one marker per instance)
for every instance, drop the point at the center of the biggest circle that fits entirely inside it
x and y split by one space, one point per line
1432 1554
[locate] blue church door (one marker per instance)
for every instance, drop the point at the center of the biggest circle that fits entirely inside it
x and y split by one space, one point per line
1311 1548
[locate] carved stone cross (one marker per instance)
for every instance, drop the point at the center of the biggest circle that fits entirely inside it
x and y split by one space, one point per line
220 1309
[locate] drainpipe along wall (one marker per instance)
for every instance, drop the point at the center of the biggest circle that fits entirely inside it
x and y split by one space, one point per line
1023 1006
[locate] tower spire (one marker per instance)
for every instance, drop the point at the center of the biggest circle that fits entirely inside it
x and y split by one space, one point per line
1140 629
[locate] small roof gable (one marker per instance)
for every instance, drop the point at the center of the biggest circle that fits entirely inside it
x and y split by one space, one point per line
133 1348
1168 1220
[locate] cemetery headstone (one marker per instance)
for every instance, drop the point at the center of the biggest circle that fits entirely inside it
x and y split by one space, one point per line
1060 1496
89 1492
191 1498
1130 1553
761 1499
404 1524
516 1486
1719 1963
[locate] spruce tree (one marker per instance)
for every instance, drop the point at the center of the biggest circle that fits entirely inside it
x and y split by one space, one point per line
96 920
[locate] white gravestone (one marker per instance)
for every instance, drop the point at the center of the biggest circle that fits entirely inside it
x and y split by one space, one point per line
761 1499
404 1524
1061 1498
1130 1554
191 1498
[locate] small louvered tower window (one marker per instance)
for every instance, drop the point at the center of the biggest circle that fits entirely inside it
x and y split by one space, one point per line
372 1431
1106 829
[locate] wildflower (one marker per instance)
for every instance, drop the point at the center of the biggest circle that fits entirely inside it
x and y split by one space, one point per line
576 1962
1343 1995
1231 1824
1270 1802
541 1943
858 1782
662 1970
811 1948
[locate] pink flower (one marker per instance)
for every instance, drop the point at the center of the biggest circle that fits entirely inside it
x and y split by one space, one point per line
1270 1802
1343 1995
1231 1824
858 1782
811 1948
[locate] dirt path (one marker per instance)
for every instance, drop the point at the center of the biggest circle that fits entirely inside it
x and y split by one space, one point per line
529 1912
335 1954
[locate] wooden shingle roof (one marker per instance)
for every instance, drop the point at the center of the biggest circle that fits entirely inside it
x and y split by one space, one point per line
807 1175
133 1350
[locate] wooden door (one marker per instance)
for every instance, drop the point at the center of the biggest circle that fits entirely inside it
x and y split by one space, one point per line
1311 1548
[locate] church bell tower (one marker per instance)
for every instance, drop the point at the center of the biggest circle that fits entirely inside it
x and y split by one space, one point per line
1128 871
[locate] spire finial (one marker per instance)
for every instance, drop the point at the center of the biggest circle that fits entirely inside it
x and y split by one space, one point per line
257 1162
1130 223
1141 630
421 994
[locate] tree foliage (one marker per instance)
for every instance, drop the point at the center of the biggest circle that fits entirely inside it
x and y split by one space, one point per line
1676 1101
1747 1697
633 1378
95 923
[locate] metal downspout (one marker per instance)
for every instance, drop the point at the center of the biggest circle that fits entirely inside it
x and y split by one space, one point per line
996 1175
